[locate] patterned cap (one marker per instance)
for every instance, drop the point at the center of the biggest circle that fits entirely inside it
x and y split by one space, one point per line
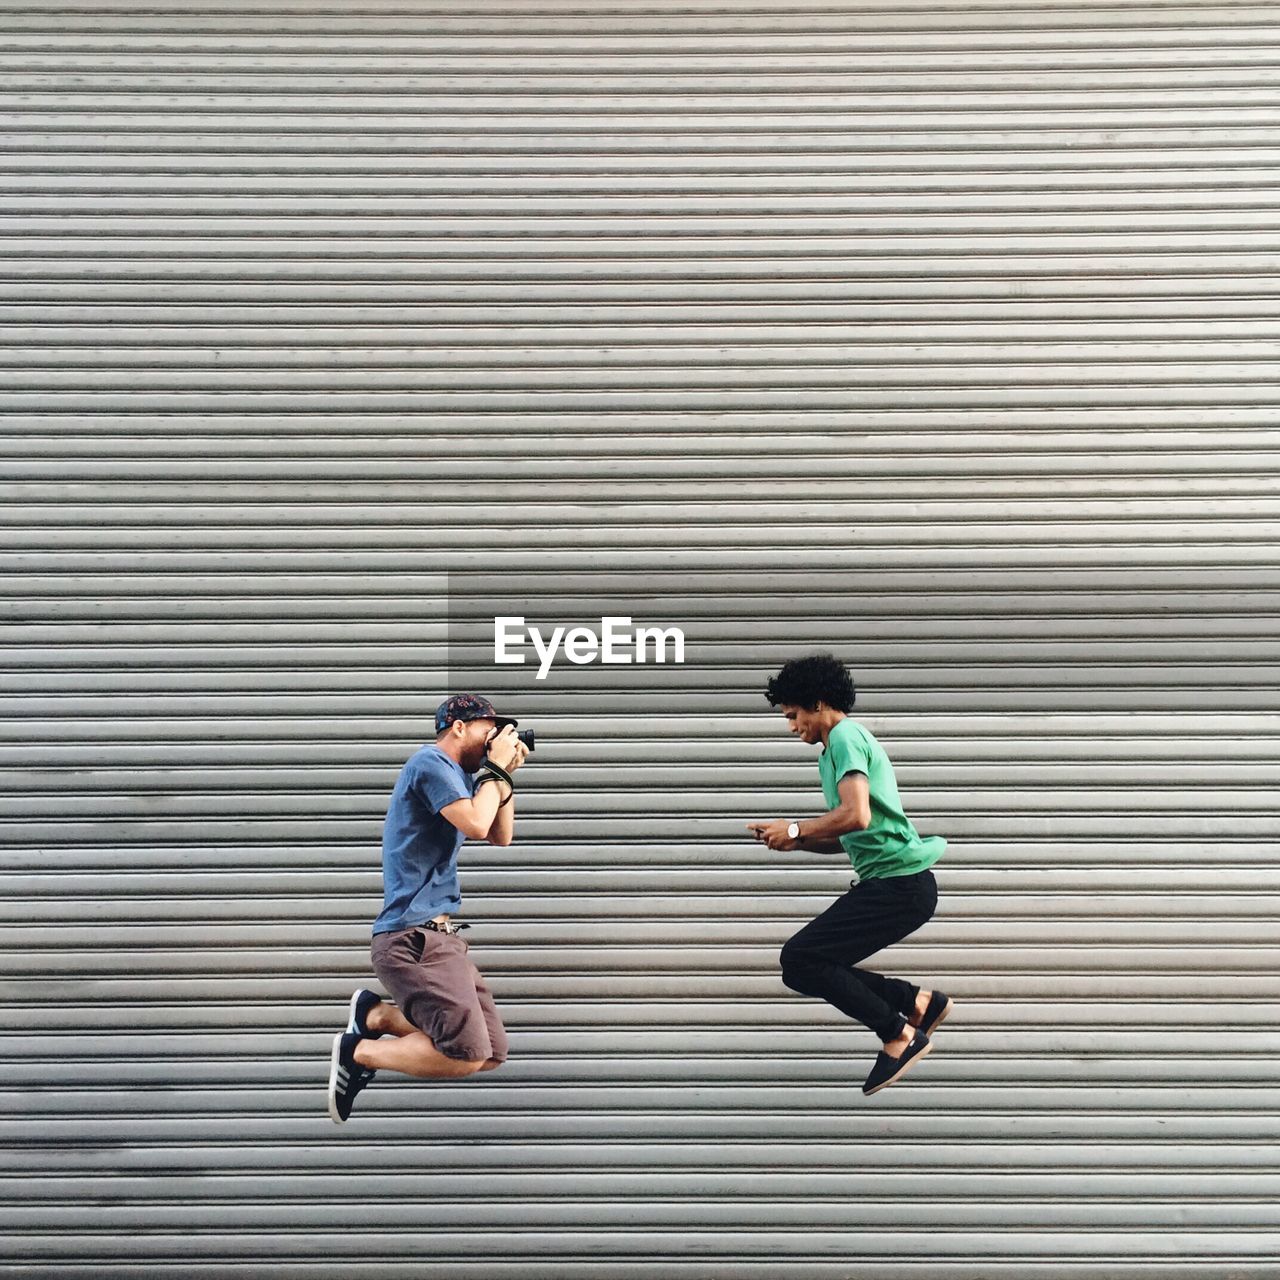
468 706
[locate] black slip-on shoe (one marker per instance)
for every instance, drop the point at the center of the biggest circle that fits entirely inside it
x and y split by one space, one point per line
940 1004
361 1002
885 1070
346 1076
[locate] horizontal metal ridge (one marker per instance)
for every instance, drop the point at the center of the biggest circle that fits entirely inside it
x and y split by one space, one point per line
364 1154
531 1181
308 1123
757 1212
300 1265
702 19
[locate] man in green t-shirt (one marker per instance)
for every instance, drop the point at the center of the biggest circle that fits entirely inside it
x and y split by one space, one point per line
895 892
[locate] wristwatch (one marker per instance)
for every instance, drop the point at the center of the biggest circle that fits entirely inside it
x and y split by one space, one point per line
793 832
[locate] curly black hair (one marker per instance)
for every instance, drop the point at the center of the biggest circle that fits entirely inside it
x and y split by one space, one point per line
804 682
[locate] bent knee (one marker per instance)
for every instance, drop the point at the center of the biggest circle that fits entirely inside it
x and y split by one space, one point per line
797 965
794 955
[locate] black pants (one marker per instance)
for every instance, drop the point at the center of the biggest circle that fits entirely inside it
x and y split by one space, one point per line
820 959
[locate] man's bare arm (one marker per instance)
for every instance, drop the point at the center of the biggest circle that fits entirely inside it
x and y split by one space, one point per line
821 834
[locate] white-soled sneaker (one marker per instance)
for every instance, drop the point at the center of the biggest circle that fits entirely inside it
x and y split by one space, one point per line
346 1076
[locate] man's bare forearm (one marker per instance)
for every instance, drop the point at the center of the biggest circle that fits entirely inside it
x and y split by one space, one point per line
821 846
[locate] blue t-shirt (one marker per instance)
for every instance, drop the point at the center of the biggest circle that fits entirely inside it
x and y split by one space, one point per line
419 847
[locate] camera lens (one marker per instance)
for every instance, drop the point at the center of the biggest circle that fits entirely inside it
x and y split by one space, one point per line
525 736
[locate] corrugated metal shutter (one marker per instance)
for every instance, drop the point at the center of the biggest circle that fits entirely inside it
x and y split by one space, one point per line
940 334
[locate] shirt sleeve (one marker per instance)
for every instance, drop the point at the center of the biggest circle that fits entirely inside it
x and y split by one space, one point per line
849 754
439 786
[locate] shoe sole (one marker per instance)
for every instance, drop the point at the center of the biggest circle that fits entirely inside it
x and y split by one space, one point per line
333 1077
940 1019
902 1071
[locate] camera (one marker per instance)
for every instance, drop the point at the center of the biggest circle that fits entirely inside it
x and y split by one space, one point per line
525 736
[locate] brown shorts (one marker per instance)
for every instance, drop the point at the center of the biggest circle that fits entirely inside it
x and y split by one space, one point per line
431 977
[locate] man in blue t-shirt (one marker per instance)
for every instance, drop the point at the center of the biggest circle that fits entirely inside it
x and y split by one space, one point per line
895 892
443 1022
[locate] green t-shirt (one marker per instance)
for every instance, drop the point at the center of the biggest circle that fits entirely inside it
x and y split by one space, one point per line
890 846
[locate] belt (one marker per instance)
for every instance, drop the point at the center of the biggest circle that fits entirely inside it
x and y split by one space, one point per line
444 926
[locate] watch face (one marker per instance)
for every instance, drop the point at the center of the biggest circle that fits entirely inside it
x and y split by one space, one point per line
793 831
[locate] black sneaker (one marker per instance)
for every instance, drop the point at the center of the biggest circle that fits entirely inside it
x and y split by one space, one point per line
361 1003
940 1004
885 1070
346 1076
